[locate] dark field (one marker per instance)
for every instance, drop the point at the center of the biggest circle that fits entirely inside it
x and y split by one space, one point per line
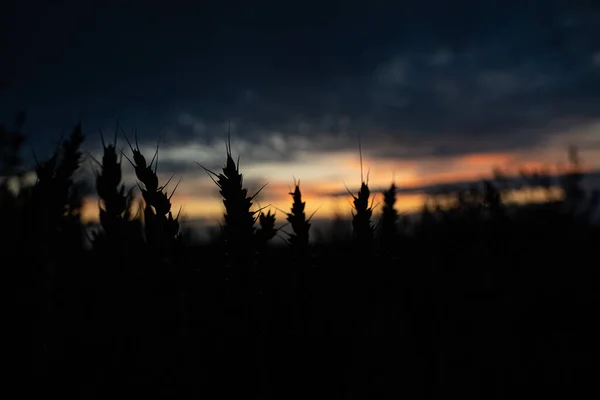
474 300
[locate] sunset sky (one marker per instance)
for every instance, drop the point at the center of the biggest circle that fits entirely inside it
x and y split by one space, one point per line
438 91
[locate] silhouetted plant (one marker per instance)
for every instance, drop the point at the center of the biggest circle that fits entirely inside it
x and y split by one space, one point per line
266 230
238 229
162 230
361 217
362 229
492 200
389 219
500 178
51 194
298 240
55 176
571 182
115 204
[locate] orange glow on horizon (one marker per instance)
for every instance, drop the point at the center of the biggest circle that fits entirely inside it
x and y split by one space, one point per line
326 175
325 206
486 159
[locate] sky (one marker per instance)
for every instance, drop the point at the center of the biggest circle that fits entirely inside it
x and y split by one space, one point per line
436 91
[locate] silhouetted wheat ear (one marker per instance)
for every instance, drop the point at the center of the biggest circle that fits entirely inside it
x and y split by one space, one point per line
161 228
361 215
389 218
266 230
115 204
239 227
50 217
298 240
55 176
362 212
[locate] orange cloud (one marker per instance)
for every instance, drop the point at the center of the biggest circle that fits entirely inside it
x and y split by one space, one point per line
487 160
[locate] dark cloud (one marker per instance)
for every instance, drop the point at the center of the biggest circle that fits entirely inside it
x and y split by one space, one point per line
413 79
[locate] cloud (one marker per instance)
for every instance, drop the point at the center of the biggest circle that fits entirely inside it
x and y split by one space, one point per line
440 103
441 57
393 72
414 80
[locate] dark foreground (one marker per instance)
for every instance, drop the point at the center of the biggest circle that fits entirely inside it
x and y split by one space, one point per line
485 311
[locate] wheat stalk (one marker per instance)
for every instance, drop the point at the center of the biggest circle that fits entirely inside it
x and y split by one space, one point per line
161 228
389 218
266 230
238 229
50 219
299 239
115 204
362 212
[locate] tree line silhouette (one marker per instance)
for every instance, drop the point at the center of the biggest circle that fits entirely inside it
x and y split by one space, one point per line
476 298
